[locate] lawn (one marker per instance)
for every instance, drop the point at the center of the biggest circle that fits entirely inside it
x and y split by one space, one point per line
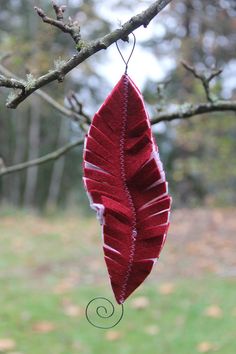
52 266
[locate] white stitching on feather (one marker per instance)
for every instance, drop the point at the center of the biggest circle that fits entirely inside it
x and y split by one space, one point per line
123 178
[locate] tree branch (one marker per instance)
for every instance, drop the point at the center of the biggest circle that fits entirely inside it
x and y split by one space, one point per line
80 116
72 27
88 49
189 110
184 112
77 107
11 82
41 160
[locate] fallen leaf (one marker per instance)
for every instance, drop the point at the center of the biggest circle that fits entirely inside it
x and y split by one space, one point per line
152 330
77 345
205 347
43 327
72 310
166 288
140 302
64 286
213 311
112 335
234 312
7 344
179 321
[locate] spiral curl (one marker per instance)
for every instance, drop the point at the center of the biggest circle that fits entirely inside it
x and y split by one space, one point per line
103 311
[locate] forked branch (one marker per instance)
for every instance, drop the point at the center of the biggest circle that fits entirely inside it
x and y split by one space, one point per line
204 78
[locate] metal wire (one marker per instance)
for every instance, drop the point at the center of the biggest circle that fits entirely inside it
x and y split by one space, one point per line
131 53
102 312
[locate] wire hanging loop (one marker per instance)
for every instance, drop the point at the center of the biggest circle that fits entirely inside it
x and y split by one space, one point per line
126 61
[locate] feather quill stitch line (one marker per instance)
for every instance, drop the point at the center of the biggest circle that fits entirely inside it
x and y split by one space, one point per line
126 185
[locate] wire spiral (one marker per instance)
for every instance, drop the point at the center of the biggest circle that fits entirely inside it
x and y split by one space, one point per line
103 311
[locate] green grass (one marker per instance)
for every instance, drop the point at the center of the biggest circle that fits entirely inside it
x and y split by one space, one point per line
47 267
179 317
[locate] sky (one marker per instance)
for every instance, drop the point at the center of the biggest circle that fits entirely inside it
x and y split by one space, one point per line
143 65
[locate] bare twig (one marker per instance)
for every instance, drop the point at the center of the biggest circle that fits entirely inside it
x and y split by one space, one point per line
59 10
11 82
72 114
41 160
204 78
189 110
72 27
89 49
214 73
77 107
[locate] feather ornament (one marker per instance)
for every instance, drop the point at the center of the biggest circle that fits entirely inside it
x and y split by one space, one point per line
126 185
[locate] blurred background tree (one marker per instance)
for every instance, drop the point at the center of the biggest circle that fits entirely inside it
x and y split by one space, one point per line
198 153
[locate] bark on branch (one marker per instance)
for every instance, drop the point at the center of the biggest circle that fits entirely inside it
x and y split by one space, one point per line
72 27
76 115
11 82
189 110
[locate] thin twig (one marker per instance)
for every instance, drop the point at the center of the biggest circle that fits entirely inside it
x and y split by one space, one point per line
72 114
181 113
72 27
77 107
59 10
41 160
191 68
11 82
90 48
204 78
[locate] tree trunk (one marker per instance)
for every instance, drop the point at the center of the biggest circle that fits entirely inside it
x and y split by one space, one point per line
19 153
34 143
58 169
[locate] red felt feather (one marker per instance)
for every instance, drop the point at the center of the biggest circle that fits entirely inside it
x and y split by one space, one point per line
126 184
